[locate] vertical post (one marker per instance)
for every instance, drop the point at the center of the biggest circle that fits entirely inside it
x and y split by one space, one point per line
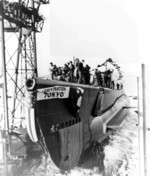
34 42
6 125
25 56
4 70
144 118
16 76
139 124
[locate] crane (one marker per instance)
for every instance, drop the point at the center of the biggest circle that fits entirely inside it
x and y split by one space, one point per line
20 21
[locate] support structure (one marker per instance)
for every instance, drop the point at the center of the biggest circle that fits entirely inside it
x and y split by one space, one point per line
20 21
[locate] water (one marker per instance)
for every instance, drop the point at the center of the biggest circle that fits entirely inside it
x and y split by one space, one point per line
121 156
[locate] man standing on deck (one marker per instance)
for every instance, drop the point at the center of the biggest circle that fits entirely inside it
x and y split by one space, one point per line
71 71
51 70
87 74
81 69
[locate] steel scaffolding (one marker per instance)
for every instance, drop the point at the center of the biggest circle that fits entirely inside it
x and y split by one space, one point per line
20 21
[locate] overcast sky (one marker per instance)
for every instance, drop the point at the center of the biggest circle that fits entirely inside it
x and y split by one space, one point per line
95 29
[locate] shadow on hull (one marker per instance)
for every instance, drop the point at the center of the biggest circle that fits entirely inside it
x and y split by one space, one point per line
71 119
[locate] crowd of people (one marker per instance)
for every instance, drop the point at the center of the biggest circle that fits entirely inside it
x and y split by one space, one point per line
78 72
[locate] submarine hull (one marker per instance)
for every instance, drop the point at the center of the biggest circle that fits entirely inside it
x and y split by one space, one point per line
70 117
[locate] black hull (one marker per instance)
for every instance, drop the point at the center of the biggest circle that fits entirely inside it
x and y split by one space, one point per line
71 124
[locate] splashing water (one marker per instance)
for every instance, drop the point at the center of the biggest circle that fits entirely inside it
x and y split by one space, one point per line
121 156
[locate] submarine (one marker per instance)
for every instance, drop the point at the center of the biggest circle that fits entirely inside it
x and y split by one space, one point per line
69 118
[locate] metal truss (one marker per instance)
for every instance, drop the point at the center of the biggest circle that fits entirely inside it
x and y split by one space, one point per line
21 21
